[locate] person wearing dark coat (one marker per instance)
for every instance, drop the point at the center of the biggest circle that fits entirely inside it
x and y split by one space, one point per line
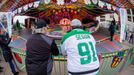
40 49
131 37
1 68
112 29
6 50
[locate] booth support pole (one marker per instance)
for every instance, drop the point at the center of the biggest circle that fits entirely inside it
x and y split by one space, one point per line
9 23
123 23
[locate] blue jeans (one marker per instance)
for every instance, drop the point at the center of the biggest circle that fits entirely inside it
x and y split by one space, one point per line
12 67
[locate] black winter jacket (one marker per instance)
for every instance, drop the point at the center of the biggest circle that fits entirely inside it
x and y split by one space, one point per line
6 50
38 52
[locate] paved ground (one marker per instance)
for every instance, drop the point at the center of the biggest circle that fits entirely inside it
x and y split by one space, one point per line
128 71
6 71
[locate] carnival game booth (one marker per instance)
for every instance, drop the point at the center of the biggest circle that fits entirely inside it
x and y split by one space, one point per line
59 13
112 57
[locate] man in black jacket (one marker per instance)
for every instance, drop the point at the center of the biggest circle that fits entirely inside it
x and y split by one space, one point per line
6 50
40 49
1 68
112 29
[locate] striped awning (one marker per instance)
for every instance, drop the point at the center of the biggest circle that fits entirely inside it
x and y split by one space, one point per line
10 5
121 3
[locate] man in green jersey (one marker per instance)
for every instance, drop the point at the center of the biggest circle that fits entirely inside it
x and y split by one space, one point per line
79 46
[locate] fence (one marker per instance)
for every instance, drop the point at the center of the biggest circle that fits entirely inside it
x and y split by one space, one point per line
110 63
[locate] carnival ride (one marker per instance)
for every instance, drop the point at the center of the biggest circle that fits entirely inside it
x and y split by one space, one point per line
58 14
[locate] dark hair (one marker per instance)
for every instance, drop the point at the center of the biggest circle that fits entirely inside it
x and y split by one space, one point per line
39 23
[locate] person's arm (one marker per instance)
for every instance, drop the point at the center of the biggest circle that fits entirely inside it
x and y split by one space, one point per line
93 40
63 50
109 28
8 39
63 46
54 49
5 39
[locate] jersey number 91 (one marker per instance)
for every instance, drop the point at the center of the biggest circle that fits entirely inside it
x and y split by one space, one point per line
84 52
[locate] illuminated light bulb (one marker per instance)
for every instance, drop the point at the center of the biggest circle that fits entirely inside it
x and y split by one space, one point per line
95 1
87 1
60 2
73 0
47 1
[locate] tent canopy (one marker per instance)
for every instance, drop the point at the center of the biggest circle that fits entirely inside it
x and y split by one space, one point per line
121 3
55 12
9 5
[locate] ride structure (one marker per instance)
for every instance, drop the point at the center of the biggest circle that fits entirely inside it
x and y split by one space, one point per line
58 14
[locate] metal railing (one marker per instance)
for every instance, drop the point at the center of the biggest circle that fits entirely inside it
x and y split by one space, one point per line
110 63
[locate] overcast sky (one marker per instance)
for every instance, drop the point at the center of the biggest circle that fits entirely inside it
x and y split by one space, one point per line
20 18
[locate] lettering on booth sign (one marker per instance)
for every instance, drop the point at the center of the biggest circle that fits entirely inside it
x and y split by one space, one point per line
65 24
65 21
117 59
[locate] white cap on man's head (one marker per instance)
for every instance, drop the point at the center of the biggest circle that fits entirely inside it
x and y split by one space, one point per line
76 22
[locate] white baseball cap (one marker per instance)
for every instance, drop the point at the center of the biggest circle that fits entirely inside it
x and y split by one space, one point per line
76 22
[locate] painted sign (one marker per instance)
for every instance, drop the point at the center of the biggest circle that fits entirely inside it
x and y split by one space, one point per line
116 61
